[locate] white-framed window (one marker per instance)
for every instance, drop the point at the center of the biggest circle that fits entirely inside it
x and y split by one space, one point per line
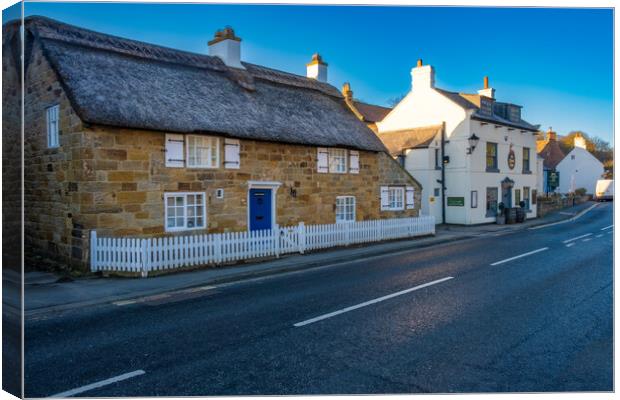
396 198
202 151
337 161
392 198
52 126
345 209
185 211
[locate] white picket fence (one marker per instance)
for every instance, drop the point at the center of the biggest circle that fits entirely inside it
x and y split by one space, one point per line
151 254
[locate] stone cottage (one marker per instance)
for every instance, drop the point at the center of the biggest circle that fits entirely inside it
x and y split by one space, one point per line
133 139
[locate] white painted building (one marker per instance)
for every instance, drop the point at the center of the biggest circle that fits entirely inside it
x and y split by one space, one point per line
489 152
579 169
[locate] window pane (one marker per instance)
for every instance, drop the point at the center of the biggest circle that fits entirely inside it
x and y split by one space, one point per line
202 151
491 205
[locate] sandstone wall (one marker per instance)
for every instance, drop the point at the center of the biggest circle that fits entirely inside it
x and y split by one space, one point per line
11 160
51 198
124 195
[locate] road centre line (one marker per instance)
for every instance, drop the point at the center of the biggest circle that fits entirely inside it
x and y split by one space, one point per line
599 235
99 384
586 239
607 227
370 302
519 256
576 238
570 244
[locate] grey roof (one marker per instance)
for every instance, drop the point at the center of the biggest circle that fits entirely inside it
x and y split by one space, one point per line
125 83
472 102
371 112
415 138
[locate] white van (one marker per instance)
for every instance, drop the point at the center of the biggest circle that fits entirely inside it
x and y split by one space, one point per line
604 190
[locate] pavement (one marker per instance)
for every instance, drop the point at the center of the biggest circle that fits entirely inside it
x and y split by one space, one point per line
518 310
46 292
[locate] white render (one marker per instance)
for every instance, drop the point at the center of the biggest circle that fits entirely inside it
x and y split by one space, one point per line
229 51
317 71
424 106
579 169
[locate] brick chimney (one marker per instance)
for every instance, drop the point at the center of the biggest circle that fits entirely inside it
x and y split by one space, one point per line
579 141
422 76
317 68
227 47
486 90
551 135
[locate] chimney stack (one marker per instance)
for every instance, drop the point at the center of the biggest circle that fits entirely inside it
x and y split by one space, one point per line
580 141
317 68
551 135
422 76
487 91
347 92
227 47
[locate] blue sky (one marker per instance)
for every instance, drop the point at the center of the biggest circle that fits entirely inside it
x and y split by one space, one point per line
557 63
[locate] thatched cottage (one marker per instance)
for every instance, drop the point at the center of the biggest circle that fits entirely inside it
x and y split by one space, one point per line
133 139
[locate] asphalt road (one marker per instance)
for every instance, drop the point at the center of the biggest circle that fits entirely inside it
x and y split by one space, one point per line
541 322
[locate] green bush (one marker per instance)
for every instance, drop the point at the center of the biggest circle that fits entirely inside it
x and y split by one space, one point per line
580 192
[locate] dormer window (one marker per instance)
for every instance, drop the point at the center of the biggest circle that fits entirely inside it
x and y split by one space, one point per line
486 106
514 114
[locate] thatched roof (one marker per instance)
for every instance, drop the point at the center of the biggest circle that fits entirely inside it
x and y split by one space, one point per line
125 83
415 138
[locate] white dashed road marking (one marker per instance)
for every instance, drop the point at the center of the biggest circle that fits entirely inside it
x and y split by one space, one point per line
570 244
607 227
519 256
370 302
586 239
99 384
577 238
599 235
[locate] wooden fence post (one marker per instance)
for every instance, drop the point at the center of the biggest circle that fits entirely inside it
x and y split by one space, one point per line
217 246
276 235
93 251
144 258
301 237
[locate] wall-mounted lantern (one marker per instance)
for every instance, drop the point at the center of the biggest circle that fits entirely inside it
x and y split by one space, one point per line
473 142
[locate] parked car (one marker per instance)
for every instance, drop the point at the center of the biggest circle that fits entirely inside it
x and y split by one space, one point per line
604 190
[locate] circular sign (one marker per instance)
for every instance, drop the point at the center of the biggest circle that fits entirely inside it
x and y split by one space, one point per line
511 159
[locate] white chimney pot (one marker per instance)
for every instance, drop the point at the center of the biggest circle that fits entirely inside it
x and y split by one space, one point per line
580 142
227 47
422 77
317 68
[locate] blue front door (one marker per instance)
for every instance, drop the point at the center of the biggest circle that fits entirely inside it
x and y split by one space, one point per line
260 209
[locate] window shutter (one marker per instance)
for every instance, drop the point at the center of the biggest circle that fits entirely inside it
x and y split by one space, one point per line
409 197
385 201
354 162
322 163
175 151
231 153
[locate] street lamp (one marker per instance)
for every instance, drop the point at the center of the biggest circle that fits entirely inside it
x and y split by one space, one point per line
473 142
